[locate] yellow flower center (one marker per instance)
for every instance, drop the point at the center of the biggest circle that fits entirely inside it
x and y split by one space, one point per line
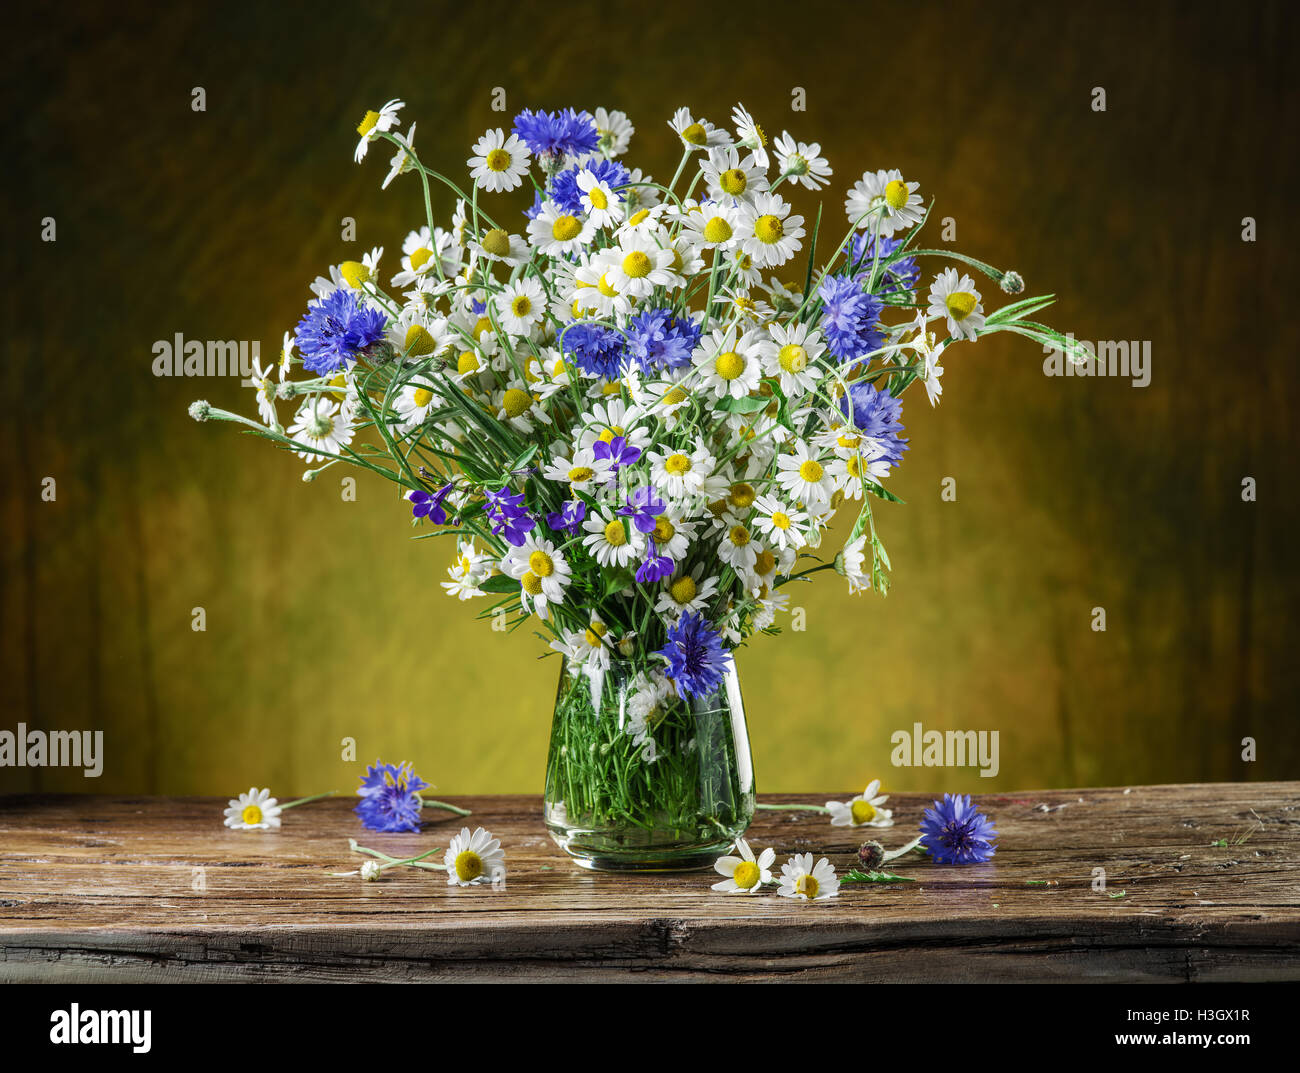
717 230
251 814
863 811
498 160
683 590
418 340
675 395
695 134
961 304
421 396
780 519
615 534
664 530
354 272
467 362
739 535
420 258
638 218
854 466
483 324
610 433
729 365
597 198
581 474
604 287
594 633
806 885
677 464
733 181
765 563
565 228
497 243
768 229
515 402
541 564
847 439
742 495
793 358
811 471
521 306
367 123
531 583
469 865
746 875
636 265
896 194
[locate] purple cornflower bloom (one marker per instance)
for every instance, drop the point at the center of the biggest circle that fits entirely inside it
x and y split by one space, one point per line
656 567
335 331
390 797
642 507
902 275
429 504
952 832
507 516
849 318
696 659
878 416
617 450
569 517
567 194
554 134
595 349
658 340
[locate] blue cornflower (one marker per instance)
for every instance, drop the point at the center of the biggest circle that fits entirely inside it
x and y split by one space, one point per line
390 797
658 340
878 416
617 451
507 516
567 194
952 832
429 504
595 349
656 567
557 133
335 331
849 317
863 249
643 506
696 659
569 517
535 209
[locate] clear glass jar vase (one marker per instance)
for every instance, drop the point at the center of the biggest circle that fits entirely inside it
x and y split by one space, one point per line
639 781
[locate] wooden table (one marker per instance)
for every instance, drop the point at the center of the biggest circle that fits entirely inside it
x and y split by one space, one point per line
97 889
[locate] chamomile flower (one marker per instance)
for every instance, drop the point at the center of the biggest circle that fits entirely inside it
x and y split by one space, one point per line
800 878
499 245
781 524
604 208
403 160
321 428
519 407
769 233
581 470
745 873
865 810
499 162
730 364
686 592
849 472
588 648
737 548
883 202
413 403
474 858
636 266
556 233
521 306
803 476
697 133
792 353
374 124
713 227
611 540
804 164
265 388
750 135
853 563
611 419
924 344
673 534
733 176
681 474
542 572
256 810
953 296
615 131
467 571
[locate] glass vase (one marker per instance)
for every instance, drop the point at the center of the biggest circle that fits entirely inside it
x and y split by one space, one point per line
639 781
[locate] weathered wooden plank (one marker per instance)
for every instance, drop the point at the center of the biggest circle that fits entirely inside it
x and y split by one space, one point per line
95 889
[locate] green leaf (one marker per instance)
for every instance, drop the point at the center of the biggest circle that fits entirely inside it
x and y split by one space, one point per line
746 405
857 876
500 583
880 492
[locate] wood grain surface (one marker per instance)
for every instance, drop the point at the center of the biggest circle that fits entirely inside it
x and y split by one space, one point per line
96 889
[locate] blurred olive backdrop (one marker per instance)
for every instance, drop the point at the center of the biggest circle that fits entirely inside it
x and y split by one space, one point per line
325 621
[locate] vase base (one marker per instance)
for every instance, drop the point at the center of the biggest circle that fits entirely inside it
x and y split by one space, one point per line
668 859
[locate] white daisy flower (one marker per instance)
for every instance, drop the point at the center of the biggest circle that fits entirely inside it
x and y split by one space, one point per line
321 428
615 131
730 364
954 297
519 408
594 291
882 201
801 879
731 176
467 572
580 469
585 648
499 245
636 266
744 873
855 569
687 592
679 473
791 353
555 233
542 572
924 344
413 403
769 234
673 534
265 387
604 207
521 306
697 133
750 134
402 161
804 164
256 810
713 226
375 123
499 163
612 418
804 477
780 524
611 539
862 811
737 548
474 858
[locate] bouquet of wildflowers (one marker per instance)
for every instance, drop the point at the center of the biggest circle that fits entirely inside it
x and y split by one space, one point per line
636 409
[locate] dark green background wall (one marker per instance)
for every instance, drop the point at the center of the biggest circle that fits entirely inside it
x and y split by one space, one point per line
324 620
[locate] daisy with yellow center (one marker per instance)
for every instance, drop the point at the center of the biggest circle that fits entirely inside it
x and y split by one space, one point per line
745 873
374 124
499 162
697 133
716 226
781 524
953 298
613 540
850 470
750 135
737 547
681 473
865 810
580 470
413 404
732 176
556 232
615 131
256 810
521 306
883 202
603 206
792 353
519 407
730 363
802 164
468 571
803 880
474 859
769 232
636 266
686 592
543 573
804 477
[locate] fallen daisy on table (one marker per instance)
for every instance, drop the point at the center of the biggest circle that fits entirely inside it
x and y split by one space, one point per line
257 810
862 811
800 878
474 858
745 873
